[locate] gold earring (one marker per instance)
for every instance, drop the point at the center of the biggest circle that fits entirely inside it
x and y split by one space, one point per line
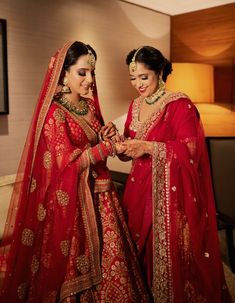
161 84
65 88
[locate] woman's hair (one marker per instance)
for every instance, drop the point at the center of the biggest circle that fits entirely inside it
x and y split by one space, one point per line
153 59
76 50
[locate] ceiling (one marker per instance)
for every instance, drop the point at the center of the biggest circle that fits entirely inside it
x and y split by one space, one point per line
176 7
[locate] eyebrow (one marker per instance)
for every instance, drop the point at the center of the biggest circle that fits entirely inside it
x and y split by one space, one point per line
84 68
138 75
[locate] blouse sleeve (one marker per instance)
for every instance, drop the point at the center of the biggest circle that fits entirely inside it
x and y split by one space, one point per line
62 150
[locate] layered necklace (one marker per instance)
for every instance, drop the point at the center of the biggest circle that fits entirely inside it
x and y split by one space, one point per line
81 109
155 97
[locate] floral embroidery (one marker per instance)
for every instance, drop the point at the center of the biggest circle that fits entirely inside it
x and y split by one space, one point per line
162 279
33 185
55 135
82 263
22 291
41 214
192 294
59 115
34 265
51 296
27 237
62 197
47 160
110 238
46 260
64 247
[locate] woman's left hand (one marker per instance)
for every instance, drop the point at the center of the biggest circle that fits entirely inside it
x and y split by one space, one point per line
136 148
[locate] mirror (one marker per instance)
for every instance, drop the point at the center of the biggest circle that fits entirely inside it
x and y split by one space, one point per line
4 108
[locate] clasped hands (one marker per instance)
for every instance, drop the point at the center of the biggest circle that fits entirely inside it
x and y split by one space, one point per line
132 148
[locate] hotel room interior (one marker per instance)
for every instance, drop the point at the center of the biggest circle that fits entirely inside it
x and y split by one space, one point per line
197 36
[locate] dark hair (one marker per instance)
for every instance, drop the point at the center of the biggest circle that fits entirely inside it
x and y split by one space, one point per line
76 50
153 59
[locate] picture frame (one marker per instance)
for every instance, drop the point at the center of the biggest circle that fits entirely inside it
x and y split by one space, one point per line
4 104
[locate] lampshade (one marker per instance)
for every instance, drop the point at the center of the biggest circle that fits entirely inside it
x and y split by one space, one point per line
194 79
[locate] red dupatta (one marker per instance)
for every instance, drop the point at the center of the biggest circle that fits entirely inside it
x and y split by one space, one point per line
30 176
170 205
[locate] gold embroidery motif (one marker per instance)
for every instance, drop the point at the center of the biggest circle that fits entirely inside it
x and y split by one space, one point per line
47 160
64 247
33 185
54 78
75 154
51 64
46 260
50 297
183 235
102 185
22 291
59 115
41 214
162 279
192 294
34 265
62 197
27 237
55 135
82 263
143 128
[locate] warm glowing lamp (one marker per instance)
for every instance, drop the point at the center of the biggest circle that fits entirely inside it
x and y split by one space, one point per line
194 79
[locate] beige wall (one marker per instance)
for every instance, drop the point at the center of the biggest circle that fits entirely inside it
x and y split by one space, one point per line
37 28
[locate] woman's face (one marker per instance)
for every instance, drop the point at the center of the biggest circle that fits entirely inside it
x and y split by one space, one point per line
80 76
144 80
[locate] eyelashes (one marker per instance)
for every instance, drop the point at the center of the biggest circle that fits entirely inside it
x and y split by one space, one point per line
83 73
143 78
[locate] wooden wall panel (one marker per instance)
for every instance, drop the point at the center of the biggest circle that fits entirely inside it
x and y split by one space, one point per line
208 36
204 36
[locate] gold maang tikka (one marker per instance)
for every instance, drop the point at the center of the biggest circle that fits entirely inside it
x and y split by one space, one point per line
91 59
132 65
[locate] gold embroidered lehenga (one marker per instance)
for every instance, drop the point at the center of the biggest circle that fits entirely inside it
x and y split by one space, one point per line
66 239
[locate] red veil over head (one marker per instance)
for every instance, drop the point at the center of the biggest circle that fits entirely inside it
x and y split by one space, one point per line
19 203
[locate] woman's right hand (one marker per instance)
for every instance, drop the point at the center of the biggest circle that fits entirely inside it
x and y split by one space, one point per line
109 132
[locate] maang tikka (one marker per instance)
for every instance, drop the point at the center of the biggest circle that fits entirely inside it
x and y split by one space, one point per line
132 65
91 59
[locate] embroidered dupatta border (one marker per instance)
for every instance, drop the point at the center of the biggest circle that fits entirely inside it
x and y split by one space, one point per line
76 285
162 286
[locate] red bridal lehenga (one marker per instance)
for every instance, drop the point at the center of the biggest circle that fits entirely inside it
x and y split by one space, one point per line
170 206
65 238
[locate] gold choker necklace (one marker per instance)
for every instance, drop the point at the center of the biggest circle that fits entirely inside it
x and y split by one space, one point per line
81 110
155 97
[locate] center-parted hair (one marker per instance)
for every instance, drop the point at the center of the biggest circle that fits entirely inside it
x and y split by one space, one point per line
153 59
76 50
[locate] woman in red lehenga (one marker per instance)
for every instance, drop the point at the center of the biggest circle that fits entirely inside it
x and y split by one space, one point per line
168 196
65 238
